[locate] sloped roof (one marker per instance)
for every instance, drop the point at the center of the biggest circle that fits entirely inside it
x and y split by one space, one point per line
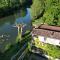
47 31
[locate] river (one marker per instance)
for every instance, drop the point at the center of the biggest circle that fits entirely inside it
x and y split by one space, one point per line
9 33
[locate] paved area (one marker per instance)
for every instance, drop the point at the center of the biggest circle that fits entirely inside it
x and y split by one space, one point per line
34 56
37 57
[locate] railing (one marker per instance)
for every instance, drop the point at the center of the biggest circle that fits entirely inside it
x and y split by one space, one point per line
20 53
23 54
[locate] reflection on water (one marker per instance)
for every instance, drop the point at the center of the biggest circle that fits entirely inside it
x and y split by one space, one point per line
9 33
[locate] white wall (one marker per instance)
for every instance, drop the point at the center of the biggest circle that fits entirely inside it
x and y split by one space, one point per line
49 40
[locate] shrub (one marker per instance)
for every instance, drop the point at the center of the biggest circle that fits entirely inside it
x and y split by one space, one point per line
51 50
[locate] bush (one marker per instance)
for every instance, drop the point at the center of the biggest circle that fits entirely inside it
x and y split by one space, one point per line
51 11
51 50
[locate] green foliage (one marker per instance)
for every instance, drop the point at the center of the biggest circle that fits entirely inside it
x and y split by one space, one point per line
51 13
37 8
50 50
29 47
12 3
8 3
8 7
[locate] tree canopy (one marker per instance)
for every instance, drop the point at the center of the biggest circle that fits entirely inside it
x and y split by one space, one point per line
10 6
37 8
13 3
51 8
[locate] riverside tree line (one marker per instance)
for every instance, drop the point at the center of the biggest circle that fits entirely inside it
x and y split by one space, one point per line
9 6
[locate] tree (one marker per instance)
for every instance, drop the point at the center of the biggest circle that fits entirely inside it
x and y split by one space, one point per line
51 11
37 8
